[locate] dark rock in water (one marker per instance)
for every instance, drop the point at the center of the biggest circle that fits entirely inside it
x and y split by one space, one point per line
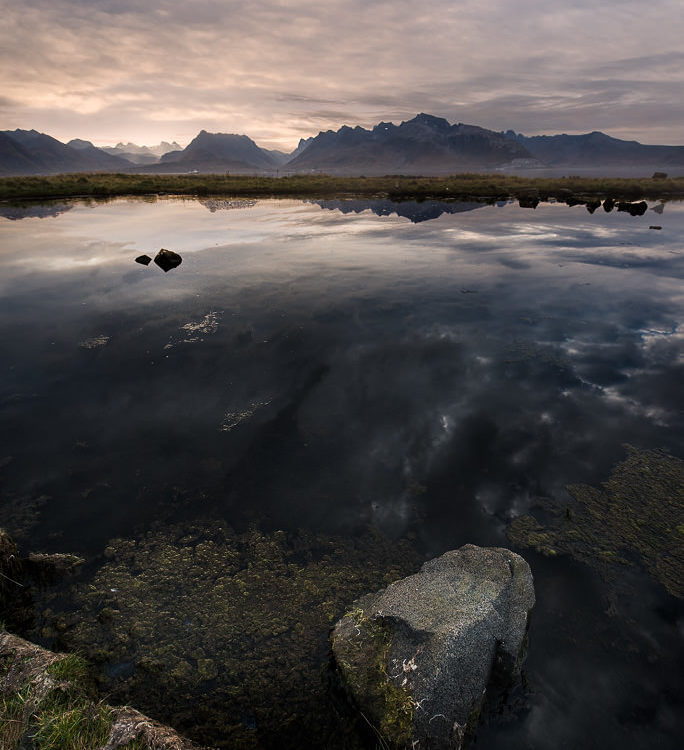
659 176
19 577
48 569
655 226
144 259
418 657
528 199
633 209
658 208
574 200
593 205
608 205
167 259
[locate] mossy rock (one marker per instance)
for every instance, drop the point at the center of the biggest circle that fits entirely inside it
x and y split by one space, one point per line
417 657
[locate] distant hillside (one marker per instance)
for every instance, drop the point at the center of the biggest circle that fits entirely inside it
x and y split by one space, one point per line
219 152
423 145
596 149
98 158
141 154
14 158
279 157
25 152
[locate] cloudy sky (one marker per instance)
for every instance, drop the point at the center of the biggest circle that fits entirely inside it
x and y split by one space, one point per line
279 70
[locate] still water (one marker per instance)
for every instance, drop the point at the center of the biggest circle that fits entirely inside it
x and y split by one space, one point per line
427 371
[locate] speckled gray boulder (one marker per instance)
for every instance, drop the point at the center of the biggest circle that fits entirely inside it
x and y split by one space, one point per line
417 657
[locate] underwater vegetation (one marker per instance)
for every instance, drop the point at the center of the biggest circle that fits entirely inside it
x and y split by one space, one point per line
636 516
225 636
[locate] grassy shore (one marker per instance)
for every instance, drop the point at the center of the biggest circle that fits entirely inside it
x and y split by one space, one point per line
456 187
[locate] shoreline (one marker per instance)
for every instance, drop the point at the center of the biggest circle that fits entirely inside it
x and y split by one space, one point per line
473 187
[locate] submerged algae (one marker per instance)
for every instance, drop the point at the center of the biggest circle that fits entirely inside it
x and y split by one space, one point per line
638 513
224 636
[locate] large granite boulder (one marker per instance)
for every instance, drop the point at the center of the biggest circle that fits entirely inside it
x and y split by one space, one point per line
418 657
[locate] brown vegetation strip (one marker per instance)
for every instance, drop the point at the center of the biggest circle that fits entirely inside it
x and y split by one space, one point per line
457 187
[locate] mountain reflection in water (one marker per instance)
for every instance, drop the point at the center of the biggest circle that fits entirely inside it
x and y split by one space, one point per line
415 211
322 371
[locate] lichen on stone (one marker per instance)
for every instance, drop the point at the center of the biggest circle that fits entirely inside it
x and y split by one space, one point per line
637 514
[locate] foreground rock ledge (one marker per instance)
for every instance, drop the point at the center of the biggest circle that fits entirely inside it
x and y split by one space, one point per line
31 678
418 657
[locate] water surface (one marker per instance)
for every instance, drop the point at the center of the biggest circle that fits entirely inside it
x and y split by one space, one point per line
328 367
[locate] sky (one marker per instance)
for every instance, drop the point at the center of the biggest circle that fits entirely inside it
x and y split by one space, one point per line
281 70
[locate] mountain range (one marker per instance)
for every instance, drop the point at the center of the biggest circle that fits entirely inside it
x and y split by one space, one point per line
426 145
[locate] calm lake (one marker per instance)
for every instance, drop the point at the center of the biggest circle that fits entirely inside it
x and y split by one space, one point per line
320 397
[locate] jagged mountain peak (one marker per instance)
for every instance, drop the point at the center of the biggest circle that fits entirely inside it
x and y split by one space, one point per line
431 121
426 144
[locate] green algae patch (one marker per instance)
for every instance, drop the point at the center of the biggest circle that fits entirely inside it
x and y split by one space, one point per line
637 514
362 662
225 636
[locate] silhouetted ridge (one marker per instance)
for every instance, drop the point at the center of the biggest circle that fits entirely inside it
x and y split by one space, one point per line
425 144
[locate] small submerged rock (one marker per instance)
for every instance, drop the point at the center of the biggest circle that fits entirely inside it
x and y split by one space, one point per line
418 657
167 259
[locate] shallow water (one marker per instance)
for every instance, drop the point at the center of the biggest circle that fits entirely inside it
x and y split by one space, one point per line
327 366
